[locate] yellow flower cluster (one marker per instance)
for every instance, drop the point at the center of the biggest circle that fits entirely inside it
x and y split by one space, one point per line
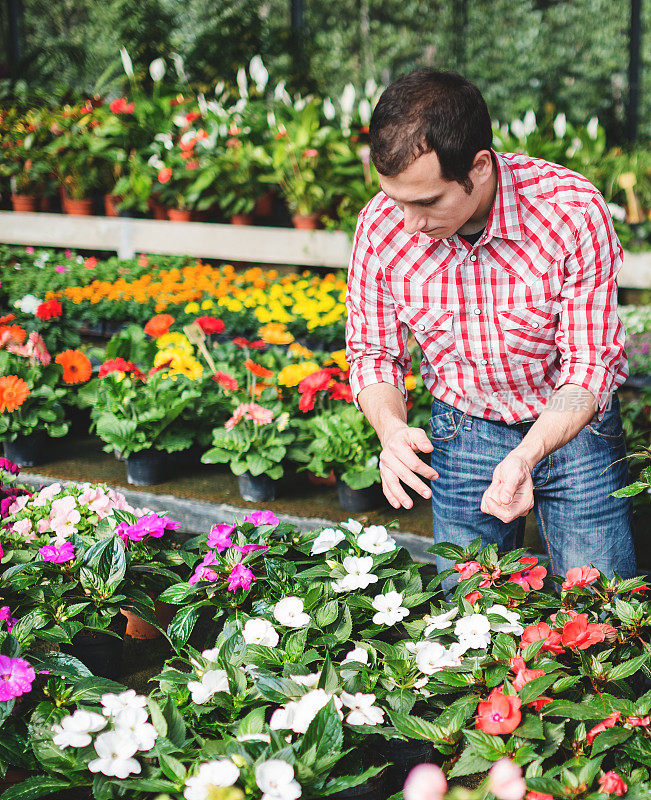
176 349
293 374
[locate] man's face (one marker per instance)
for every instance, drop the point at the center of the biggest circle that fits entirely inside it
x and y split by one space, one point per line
432 205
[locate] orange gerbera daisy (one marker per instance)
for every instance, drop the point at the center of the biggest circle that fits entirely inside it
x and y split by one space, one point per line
13 392
7 319
12 334
76 366
158 325
257 370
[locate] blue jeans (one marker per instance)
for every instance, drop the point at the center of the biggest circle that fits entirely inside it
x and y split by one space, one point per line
578 522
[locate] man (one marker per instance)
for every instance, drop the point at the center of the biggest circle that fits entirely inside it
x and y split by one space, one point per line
503 267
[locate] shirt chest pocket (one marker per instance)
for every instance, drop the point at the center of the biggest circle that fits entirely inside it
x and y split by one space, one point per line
433 329
530 333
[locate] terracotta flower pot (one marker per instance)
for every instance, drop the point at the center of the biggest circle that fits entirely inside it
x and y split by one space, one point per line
78 208
138 628
45 203
306 222
242 219
110 207
179 214
315 480
265 205
23 202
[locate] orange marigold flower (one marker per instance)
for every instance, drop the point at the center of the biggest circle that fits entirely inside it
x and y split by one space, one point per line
258 370
158 325
13 392
76 366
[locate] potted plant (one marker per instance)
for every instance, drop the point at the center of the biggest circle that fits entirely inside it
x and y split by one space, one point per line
30 397
134 412
23 160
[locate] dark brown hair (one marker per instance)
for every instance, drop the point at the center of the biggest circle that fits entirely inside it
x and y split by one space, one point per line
426 111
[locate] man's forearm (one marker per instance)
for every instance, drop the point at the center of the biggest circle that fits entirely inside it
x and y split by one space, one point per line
567 411
384 407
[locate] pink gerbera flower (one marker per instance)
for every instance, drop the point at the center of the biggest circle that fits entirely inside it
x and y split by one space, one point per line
16 678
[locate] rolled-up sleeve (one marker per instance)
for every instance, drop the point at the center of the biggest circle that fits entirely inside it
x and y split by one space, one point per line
590 335
376 340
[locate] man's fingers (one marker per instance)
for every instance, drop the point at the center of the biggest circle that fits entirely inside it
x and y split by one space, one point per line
393 465
394 493
420 440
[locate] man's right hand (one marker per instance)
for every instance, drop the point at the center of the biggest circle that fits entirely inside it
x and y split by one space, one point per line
399 462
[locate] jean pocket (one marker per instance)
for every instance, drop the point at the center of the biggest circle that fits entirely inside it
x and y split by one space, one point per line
530 333
445 425
609 429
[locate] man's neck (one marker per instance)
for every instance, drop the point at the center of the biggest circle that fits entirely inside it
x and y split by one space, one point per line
479 219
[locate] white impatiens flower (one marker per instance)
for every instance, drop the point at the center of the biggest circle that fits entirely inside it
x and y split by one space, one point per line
347 99
375 539
242 83
473 631
28 304
357 655
329 111
389 608
211 775
212 681
326 540
134 722
75 730
275 778
112 704
309 681
439 622
115 751
260 631
365 111
157 69
298 714
432 657
592 128
358 576
126 62
517 129
352 525
289 612
529 122
511 622
258 72
560 126
363 710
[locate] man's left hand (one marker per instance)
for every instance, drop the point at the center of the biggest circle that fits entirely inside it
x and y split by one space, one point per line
510 494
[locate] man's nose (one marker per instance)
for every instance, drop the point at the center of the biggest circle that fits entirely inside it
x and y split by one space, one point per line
414 220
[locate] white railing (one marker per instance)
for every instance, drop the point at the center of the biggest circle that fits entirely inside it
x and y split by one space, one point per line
256 244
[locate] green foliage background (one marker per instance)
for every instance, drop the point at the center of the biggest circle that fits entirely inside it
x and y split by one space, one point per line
522 54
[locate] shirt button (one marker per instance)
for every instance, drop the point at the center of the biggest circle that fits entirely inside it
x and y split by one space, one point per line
477 311
535 325
421 327
484 361
473 257
495 394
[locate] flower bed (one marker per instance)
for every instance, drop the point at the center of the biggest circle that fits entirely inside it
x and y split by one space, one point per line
305 663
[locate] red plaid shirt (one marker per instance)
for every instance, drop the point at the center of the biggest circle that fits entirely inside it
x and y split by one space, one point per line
505 322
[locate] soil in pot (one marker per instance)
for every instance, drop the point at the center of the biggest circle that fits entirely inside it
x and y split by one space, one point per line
357 500
27 451
138 628
100 652
316 480
24 202
256 488
146 468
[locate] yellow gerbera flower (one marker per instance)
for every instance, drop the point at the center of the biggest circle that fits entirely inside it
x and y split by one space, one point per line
293 374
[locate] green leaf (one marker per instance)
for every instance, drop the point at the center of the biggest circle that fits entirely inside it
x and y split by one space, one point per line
181 626
631 490
322 743
469 763
532 690
416 727
576 711
485 745
530 728
178 593
627 668
60 664
327 613
609 738
37 786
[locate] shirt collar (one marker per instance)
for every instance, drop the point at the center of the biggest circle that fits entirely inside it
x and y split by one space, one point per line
505 218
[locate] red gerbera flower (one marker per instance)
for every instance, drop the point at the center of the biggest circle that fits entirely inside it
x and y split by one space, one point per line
210 325
50 309
120 365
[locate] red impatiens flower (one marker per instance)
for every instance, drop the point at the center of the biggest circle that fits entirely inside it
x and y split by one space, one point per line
551 639
643 588
532 576
580 634
609 722
523 674
499 713
226 381
638 722
240 341
164 175
472 597
534 795
580 576
467 569
120 365
612 783
50 309
210 325
120 106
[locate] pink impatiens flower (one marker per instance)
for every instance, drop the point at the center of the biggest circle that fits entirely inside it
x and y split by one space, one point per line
532 576
467 569
249 548
262 518
219 537
64 516
16 678
23 527
241 577
58 555
5 616
203 572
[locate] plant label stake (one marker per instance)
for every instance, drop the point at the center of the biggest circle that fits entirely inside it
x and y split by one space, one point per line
627 181
198 337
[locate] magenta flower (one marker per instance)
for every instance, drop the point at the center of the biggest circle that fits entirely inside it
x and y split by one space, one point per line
29 250
241 577
60 268
16 677
219 537
5 616
151 525
58 555
203 571
9 466
262 518
249 548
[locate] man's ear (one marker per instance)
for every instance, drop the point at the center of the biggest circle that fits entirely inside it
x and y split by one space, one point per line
482 165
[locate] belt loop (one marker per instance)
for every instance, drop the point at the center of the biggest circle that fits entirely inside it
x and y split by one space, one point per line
467 422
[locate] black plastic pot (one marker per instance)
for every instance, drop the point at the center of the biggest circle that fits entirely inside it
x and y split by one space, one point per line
100 652
78 420
146 467
256 488
27 451
359 499
404 755
373 789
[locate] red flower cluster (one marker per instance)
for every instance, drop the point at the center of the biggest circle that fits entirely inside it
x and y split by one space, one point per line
120 106
612 783
50 309
121 365
524 675
580 576
226 381
531 577
210 325
240 341
330 379
467 569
